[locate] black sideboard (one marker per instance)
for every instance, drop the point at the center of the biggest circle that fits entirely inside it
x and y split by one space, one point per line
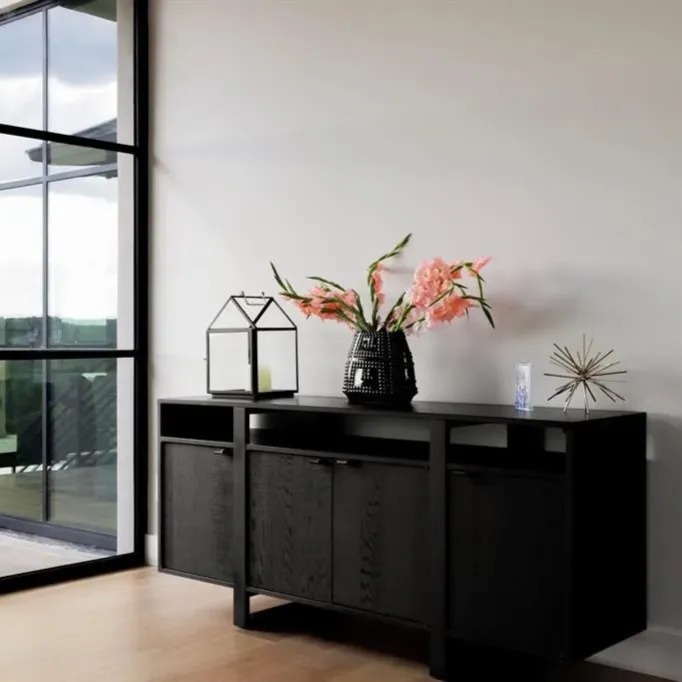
514 546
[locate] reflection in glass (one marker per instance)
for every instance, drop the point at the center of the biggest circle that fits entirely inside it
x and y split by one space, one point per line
21 258
90 407
21 72
20 158
21 453
89 442
88 463
83 261
82 76
63 158
66 157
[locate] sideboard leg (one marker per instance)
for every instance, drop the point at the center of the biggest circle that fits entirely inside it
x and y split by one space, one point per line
437 585
241 609
437 657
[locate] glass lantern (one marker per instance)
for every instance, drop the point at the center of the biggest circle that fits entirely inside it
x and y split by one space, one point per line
252 350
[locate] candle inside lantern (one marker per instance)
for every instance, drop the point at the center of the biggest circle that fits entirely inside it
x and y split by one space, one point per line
264 379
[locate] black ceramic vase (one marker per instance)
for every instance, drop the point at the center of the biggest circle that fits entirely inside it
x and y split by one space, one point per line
379 370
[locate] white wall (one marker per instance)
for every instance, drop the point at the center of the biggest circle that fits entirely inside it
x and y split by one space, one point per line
545 134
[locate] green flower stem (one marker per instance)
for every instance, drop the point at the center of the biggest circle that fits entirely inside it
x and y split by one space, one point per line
359 318
412 324
395 251
403 316
341 316
361 311
395 306
328 282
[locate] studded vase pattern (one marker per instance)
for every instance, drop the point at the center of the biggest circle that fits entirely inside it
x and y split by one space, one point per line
380 370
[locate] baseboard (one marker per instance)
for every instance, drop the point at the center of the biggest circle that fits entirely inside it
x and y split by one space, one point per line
673 632
152 550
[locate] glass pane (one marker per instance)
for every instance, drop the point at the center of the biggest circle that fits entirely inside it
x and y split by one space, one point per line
90 81
88 431
90 260
90 445
274 317
20 158
21 72
21 454
231 316
230 362
277 360
21 258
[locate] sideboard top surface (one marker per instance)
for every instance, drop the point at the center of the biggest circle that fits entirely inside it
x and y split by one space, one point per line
467 412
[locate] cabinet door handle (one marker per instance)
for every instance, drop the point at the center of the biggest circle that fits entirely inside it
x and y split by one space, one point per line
220 451
319 461
348 462
478 477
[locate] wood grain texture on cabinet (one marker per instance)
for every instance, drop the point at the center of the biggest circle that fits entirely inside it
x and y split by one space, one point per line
197 504
290 522
381 539
506 559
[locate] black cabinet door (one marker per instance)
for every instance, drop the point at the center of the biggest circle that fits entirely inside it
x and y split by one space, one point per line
196 508
506 560
290 523
381 538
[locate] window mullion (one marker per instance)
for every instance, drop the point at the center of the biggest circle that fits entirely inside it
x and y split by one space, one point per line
44 166
45 425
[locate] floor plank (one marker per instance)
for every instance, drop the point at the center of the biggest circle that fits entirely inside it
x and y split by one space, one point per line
142 626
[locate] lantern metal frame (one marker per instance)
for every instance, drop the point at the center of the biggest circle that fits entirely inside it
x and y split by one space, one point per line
251 329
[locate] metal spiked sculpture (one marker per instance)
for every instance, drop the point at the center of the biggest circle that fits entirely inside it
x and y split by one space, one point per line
591 372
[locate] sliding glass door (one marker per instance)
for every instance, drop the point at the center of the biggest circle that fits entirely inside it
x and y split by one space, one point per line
73 178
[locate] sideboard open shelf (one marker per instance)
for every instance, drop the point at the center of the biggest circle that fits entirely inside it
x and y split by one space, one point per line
513 546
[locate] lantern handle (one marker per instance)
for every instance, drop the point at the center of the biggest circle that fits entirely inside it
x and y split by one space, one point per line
248 299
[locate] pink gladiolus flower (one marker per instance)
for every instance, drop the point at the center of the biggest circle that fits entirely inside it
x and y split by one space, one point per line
480 263
447 310
433 295
414 322
432 279
377 283
324 303
438 295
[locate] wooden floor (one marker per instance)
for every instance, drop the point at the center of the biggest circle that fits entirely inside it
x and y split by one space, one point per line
141 626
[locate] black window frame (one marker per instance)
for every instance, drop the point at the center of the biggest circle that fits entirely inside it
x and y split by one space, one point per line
139 354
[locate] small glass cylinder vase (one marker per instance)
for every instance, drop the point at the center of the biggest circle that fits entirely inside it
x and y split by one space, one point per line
523 395
379 370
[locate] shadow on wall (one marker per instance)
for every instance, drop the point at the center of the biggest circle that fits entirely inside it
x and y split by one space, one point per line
665 486
464 362
534 302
